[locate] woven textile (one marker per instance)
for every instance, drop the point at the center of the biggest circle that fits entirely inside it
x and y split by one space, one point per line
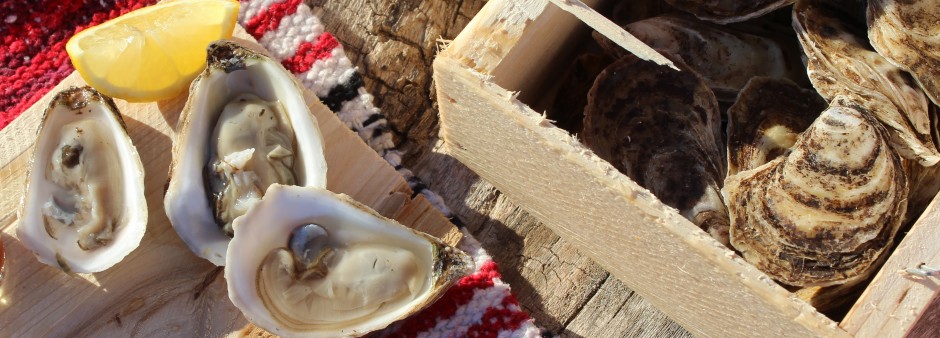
33 59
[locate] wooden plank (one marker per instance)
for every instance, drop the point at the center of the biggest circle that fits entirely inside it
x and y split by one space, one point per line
613 31
632 316
620 225
162 288
894 301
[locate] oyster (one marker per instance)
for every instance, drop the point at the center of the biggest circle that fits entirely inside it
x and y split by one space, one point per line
725 57
906 34
308 262
568 107
84 208
826 213
244 127
662 128
766 120
840 63
727 11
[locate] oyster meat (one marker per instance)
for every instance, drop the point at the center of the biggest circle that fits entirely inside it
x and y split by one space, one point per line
728 11
725 57
906 33
840 63
308 262
244 127
766 120
662 128
826 213
84 208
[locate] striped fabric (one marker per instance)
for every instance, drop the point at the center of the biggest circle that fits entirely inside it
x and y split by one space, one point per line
480 305
33 60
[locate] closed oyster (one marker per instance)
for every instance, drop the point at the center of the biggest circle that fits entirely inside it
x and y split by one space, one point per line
725 57
244 127
662 128
568 107
308 262
826 213
906 33
840 63
766 120
727 11
84 208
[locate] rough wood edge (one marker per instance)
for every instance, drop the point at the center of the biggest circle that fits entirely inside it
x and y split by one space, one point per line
613 31
492 33
894 301
499 137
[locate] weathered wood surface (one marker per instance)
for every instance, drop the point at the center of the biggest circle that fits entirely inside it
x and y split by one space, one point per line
162 289
393 43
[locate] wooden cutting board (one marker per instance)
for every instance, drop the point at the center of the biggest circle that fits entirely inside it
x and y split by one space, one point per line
161 288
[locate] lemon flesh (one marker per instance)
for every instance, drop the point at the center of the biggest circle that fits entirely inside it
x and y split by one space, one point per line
154 52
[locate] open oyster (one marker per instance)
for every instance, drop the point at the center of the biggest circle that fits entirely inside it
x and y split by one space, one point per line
244 127
727 11
84 208
826 213
766 120
662 128
906 33
840 63
725 57
308 262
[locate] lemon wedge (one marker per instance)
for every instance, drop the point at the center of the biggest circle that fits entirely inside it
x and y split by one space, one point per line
154 52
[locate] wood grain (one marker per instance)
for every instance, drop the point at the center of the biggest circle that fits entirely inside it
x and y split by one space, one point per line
676 266
894 301
393 43
161 288
487 126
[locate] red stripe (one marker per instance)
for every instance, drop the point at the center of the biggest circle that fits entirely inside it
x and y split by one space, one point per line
269 19
33 50
309 52
458 296
496 320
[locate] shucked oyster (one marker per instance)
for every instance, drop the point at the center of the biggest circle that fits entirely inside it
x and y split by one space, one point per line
245 126
727 11
906 33
84 209
725 57
766 120
826 213
840 63
662 128
308 262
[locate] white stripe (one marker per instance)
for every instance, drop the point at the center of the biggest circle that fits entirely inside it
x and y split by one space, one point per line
469 314
327 73
354 112
249 9
294 29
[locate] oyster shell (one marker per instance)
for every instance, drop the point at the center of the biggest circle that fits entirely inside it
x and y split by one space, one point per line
84 208
308 262
840 63
766 120
728 11
568 107
906 34
244 127
826 213
725 57
662 128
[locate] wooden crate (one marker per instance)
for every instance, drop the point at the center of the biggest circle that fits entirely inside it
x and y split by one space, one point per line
511 50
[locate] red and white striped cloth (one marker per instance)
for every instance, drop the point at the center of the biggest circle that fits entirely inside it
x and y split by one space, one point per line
480 305
33 60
